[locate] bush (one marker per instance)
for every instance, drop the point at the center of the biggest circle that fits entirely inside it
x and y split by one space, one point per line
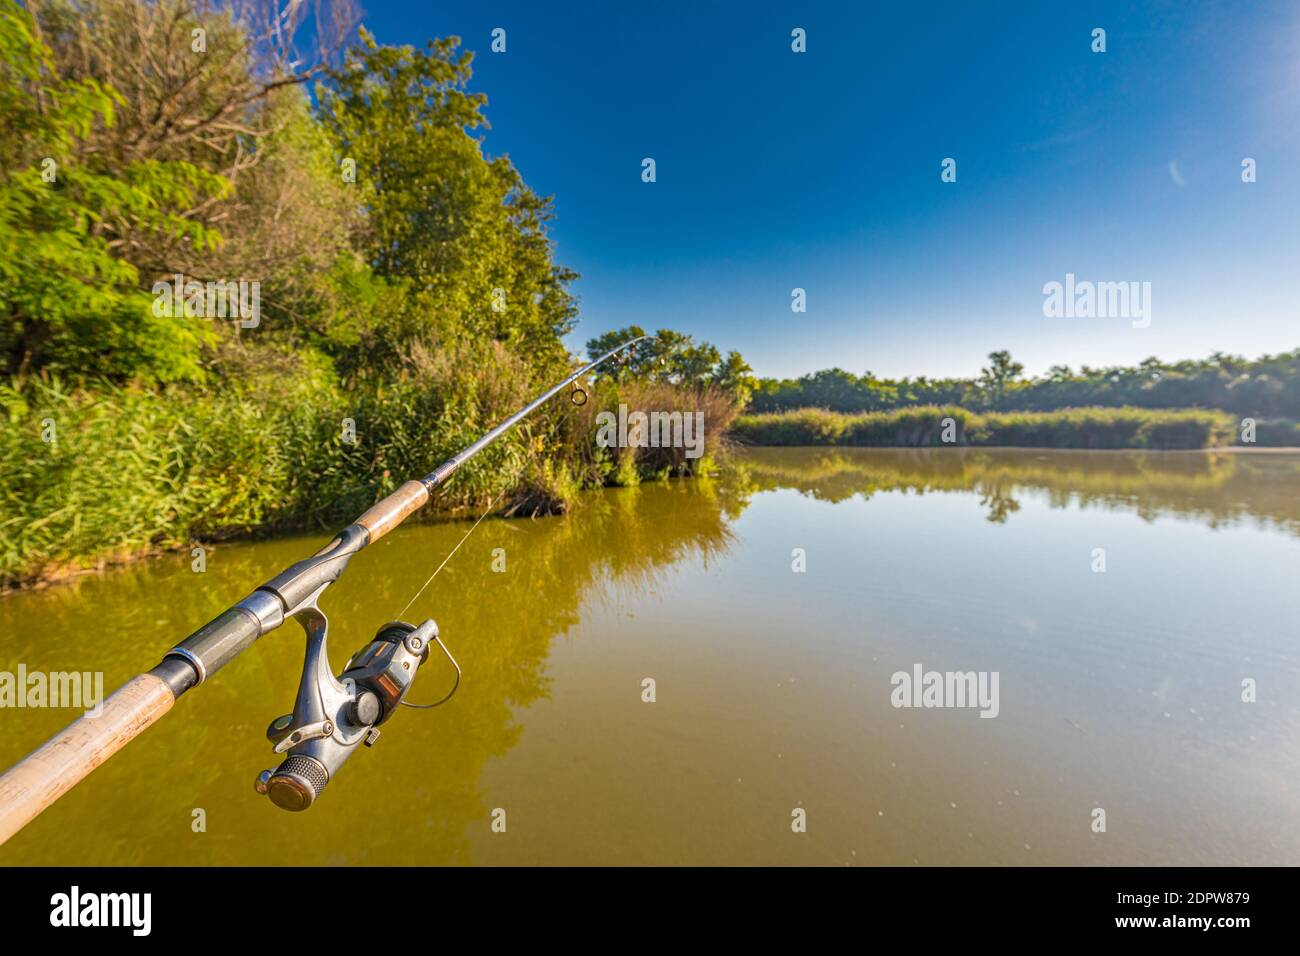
912 427
804 426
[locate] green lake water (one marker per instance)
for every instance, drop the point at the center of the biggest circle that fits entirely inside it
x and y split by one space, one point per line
1119 690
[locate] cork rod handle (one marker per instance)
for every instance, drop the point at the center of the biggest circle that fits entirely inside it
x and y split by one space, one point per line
59 764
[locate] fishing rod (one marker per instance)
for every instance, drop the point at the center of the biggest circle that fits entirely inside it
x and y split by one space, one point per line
331 716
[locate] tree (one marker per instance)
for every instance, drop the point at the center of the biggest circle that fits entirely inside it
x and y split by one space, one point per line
157 159
999 375
636 362
674 358
736 378
69 299
461 231
218 109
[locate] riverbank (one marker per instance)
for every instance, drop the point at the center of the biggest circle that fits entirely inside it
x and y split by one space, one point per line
180 367
96 477
1080 428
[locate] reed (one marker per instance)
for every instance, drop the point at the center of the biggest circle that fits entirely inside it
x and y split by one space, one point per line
922 426
133 471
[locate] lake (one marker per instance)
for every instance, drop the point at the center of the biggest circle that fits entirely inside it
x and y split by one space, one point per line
1139 611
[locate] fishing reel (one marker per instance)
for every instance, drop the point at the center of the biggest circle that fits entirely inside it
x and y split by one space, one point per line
332 716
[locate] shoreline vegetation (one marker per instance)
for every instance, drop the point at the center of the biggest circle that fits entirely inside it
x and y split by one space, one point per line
245 291
135 472
1068 428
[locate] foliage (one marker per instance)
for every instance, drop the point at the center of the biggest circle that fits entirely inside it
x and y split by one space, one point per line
674 358
462 233
1094 428
715 410
68 299
130 469
1267 387
418 300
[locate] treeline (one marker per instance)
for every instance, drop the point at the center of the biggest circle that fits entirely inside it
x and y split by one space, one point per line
256 269
1267 387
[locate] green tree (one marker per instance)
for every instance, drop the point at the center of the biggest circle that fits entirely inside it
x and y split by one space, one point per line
68 300
734 376
999 375
461 231
676 359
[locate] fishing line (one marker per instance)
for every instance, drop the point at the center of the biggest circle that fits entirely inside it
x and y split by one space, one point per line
449 555
446 697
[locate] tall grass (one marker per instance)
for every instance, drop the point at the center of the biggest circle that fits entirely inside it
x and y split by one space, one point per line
1091 428
630 466
132 471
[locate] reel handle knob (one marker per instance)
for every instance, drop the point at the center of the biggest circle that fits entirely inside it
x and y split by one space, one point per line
297 782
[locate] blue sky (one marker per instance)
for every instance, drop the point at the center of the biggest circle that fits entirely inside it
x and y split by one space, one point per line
821 170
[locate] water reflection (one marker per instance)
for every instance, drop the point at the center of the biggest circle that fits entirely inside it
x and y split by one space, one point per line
1119 690
1219 489
421 779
